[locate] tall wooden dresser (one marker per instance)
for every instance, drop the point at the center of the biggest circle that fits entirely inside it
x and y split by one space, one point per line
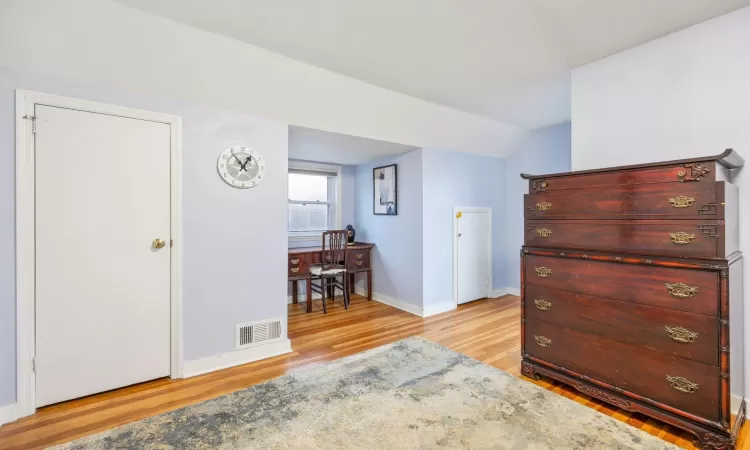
631 290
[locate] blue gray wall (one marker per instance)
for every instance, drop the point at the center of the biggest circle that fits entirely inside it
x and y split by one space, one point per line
545 150
397 259
451 179
214 214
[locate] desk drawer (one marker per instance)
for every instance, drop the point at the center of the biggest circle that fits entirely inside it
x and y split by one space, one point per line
684 238
687 385
689 335
685 290
299 265
357 260
647 201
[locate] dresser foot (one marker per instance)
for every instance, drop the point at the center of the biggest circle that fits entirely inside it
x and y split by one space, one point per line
712 441
528 370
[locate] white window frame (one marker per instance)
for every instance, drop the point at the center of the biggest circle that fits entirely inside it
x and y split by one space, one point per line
335 213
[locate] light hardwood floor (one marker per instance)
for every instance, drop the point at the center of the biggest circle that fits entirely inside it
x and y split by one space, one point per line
487 330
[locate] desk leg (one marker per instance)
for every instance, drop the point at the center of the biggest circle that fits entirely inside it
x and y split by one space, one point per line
329 288
295 291
309 294
351 283
369 284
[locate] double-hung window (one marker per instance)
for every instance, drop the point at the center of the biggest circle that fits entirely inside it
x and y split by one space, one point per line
313 200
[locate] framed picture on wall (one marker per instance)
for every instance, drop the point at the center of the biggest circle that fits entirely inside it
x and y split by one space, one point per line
385 200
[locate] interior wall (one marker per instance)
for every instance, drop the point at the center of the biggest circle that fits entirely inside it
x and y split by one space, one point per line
227 278
545 150
684 95
102 42
397 256
451 179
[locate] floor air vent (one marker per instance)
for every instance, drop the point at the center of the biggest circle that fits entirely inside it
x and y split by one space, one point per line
255 333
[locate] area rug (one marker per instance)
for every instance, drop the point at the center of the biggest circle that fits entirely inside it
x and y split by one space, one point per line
412 394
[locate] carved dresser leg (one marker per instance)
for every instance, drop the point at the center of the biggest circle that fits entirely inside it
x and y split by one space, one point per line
528 370
711 441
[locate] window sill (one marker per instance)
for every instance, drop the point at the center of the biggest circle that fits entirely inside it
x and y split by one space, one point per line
305 237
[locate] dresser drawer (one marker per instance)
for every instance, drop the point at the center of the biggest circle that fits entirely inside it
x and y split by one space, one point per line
357 260
685 290
655 375
689 335
648 201
703 172
685 238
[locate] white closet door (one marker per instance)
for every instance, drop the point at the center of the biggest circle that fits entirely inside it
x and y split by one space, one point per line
473 247
102 290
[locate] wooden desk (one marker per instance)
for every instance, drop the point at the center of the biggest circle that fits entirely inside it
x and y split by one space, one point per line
358 260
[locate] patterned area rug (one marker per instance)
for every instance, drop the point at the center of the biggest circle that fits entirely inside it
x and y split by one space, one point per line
411 394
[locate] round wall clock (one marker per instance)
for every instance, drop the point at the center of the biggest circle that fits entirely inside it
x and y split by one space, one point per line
241 167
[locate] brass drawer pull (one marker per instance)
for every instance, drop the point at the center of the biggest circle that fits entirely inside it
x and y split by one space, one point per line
681 201
544 232
359 263
542 304
359 255
542 341
681 237
294 261
681 290
682 384
543 271
294 269
544 206
680 334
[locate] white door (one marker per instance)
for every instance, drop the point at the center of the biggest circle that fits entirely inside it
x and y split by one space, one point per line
102 290
473 250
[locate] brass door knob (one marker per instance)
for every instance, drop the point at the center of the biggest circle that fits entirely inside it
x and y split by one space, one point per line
158 243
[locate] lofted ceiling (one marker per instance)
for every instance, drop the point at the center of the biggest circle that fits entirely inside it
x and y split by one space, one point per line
508 60
317 145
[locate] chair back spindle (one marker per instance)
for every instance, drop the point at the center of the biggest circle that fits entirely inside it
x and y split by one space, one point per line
334 249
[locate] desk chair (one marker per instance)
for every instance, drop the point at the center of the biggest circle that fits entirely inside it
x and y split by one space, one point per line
332 266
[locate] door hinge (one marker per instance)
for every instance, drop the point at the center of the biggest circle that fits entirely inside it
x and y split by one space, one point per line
33 122
33 365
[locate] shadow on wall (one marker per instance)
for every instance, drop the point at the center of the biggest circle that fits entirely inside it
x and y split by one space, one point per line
546 150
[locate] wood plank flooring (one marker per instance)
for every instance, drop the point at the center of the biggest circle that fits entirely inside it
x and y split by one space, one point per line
488 330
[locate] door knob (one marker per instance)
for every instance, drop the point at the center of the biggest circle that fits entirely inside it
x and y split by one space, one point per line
158 243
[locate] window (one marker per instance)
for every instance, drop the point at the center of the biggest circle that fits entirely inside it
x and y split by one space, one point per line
313 205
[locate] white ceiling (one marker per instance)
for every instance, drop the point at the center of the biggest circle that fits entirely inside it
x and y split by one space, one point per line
317 145
505 59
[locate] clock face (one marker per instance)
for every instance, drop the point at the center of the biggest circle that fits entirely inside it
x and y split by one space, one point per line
241 167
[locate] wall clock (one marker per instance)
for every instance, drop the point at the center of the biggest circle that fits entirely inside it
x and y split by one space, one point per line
241 167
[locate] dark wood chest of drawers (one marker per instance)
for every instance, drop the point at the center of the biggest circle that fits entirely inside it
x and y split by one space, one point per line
631 290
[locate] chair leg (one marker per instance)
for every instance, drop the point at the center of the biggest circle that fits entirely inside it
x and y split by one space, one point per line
347 299
323 296
309 294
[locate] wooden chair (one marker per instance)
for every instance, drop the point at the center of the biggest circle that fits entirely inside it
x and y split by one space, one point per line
332 266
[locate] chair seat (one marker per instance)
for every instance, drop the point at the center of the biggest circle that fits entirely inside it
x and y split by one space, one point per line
317 270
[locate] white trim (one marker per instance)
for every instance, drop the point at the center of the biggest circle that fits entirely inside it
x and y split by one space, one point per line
499 292
384 299
471 209
439 308
8 413
25 185
236 358
302 298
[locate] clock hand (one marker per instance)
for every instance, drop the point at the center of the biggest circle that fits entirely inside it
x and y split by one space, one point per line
238 160
249 159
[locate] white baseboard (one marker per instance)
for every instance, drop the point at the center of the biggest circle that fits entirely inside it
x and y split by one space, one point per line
499 292
303 297
236 358
9 413
439 308
384 299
